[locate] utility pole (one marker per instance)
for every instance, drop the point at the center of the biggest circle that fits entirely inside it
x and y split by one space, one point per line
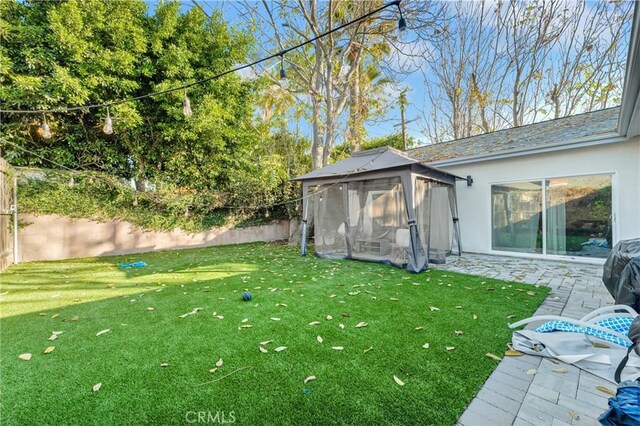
403 102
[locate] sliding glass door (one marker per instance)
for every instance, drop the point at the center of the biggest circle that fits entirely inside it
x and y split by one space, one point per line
569 216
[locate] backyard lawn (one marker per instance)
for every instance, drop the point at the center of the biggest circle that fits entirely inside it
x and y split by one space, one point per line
156 365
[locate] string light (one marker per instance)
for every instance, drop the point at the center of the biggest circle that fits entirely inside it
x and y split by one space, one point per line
108 127
186 106
266 214
284 81
402 24
44 131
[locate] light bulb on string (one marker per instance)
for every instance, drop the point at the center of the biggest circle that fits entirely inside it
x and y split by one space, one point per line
44 131
186 106
284 81
402 25
107 129
266 214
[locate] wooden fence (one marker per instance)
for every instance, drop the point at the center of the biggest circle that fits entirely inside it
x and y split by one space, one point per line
6 214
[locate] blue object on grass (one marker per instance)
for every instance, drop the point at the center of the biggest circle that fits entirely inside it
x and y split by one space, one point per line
138 264
246 296
624 408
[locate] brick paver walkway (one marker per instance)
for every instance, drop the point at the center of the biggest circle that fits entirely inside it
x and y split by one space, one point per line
509 395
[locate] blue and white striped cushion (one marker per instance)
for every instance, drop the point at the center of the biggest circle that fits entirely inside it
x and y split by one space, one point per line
617 324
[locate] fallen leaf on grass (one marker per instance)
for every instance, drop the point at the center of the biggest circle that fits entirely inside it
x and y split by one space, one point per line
219 317
332 295
219 363
368 349
493 357
532 372
418 328
150 308
213 370
450 348
510 316
280 348
195 310
266 342
281 304
97 387
361 324
106 330
43 314
164 364
263 350
606 390
398 381
75 318
53 337
275 319
475 317
560 370
458 332
55 316
314 323
245 326
574 415
329 317
341 326
531 293
426 346
319 339
337 348
433 308
393 299
49 349
309 379
25 357
245 320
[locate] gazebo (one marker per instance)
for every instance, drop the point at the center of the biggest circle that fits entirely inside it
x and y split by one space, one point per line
382 206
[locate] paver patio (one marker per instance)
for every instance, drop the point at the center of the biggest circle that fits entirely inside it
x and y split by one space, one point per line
510 396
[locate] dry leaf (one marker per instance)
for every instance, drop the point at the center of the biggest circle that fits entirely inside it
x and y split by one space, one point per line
450 348
368 349
55 316
245 326
458 332
332 295
97 387
532 372
263 350
341 326
433 308
149 308
43 314
314 323
361 324
25 357
266 342
106 330
319 339
418 328
574 415
49 349
475 317
164 364
398 381
606 390
280 348
458 307
57 332
512 352
510 316
337 348
493 357
213 370
329 317
531 293
308 379
53 337
275 319
560 370
245 320
393 299
426 346
219 317
219 363
74 318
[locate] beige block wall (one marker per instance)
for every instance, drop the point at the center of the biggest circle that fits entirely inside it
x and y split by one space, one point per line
53 237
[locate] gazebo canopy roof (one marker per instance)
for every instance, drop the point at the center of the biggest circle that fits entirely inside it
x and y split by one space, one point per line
378 159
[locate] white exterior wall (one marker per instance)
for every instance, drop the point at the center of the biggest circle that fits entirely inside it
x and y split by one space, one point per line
621 159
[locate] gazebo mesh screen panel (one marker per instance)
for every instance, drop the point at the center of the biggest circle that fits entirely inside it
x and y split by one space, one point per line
435 212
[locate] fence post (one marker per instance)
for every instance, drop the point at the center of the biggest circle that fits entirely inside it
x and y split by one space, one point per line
15 220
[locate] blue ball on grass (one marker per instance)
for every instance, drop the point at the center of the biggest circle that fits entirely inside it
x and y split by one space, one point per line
246 296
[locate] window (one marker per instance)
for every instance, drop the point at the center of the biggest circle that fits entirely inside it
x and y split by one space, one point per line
577 219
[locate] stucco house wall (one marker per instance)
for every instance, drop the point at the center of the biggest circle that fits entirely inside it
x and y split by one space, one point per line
621 159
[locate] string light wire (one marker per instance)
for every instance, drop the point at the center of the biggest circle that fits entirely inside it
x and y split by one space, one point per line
207 79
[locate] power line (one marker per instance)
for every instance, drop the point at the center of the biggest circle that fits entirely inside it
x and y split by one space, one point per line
279 54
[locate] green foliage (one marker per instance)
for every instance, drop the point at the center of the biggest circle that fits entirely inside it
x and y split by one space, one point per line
103 197
393 140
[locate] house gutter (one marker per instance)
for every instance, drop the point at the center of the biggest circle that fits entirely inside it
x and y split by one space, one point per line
560 146
629 122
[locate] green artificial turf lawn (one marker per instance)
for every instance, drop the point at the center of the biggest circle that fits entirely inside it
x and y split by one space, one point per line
351 386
